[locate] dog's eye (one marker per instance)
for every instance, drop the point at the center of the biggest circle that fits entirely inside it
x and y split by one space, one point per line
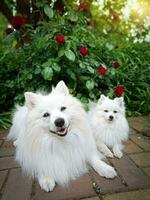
105 110
46 114
63 108
115 111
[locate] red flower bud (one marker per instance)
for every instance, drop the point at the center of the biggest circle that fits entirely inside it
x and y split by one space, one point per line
18 21
84 6
60 39
102 70
83 51
9 30
115 64
119 90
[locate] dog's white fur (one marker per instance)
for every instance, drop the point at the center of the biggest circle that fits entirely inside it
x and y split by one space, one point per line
49 157
109 134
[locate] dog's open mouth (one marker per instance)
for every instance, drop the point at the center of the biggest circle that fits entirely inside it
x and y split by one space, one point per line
60 131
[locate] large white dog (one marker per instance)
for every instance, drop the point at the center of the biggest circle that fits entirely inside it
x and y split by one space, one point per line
53 139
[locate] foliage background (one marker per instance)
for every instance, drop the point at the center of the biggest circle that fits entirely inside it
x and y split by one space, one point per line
31 59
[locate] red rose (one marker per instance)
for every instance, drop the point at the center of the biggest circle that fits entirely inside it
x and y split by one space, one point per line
102 70
60 39
115 64
84 6
18 21
83 51
119 90
9 30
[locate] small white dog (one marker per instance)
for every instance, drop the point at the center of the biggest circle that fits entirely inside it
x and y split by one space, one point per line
54 142
109 124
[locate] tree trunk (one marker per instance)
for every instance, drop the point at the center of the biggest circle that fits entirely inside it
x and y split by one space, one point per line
23 8
6 11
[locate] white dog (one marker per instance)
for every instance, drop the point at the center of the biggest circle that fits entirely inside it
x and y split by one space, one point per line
54 140
109 124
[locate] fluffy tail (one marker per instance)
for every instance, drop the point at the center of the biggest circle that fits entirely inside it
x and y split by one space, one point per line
18 119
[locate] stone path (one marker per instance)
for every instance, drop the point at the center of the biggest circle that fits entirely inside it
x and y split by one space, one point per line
132 182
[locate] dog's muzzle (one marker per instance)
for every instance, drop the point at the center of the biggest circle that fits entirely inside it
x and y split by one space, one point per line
111 118
60 131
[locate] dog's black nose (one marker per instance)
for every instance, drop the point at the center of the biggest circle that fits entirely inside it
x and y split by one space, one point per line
59 122
111 117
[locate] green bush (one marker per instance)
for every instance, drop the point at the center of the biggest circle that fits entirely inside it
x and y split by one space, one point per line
44 61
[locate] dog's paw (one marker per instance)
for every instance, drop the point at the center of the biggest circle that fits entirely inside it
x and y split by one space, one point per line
47 184
109 172
118 154
109 154
15 143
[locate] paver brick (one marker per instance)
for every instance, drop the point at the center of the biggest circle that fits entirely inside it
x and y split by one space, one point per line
7 144
7 152
147 133
80 188
1 141
17 186
3 175
141 159
147 170
7 163
107 185
141 124
7 149
131 147
132 195
133 176
143 142
132 131
3 133
92 198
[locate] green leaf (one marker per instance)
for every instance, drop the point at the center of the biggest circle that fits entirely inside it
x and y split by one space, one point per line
90 69
56 67
71 74
48 11
70 55
82 65
29 76
47 73
11 37
84 99
73 16
61 52
40 44
90 84
37 70
47 63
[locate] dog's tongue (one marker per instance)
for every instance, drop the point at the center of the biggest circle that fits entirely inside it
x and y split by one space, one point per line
61 129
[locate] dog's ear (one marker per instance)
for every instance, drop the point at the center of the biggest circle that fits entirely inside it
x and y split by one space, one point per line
101 99
61 88
30 99
120 101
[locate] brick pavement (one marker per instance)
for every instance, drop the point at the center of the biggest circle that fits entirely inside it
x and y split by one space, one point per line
132 182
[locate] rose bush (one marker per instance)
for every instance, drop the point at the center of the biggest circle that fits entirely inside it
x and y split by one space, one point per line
89 64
